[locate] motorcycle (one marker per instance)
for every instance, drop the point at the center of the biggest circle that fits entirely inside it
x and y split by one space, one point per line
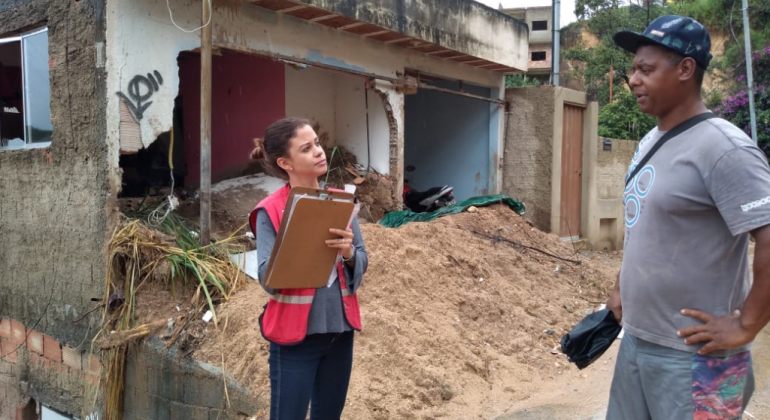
429 200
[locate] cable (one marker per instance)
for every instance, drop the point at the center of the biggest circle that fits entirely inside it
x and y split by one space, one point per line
211 12
154 218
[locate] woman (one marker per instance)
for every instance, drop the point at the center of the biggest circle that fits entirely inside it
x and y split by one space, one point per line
310 330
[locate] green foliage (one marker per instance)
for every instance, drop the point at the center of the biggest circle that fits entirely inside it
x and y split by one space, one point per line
735 108
622 119
520 80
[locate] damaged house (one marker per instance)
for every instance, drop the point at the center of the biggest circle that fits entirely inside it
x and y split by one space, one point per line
102 99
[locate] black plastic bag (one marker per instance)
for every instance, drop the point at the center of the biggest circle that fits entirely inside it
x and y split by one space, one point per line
590 338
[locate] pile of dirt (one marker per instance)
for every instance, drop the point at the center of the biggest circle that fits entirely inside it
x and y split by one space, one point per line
461 316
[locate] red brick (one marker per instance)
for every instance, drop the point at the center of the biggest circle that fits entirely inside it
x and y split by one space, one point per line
5 328
71 357
51 348
35 341
18 332
91 363
8 351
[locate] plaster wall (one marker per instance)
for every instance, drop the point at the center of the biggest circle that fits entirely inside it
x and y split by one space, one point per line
55 210
243 27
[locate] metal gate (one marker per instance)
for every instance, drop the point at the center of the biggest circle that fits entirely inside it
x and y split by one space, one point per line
571 171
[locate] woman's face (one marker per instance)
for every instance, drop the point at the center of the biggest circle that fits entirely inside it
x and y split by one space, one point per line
306 156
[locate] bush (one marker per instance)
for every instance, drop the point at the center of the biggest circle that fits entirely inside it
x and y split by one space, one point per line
735 108
520 80
622 119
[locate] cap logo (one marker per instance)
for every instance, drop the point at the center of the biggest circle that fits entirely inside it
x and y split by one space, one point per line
656 33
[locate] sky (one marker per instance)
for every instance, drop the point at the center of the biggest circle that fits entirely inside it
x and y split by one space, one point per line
567 7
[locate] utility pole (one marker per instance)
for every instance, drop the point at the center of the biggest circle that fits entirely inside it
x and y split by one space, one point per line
205 188
749 71
556 13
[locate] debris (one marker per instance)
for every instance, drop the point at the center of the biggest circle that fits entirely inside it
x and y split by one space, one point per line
207 316
472 209
549 332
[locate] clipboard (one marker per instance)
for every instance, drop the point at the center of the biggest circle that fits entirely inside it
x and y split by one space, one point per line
300 257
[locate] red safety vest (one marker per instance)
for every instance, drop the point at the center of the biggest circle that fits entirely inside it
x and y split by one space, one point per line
284 320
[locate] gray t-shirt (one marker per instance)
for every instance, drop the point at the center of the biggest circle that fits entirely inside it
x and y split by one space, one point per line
326 312
688 213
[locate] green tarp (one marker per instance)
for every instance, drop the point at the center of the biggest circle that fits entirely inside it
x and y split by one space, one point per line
399 218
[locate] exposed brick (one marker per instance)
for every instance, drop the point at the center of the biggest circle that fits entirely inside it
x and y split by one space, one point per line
51 348
18 332
5 328
35 341
8 351
90 363
71 357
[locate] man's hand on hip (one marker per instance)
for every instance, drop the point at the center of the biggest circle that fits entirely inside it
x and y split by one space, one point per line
718 332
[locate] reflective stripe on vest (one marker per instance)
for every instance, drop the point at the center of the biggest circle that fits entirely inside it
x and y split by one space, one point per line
294 300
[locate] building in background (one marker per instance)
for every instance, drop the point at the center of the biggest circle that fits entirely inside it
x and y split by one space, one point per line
540 23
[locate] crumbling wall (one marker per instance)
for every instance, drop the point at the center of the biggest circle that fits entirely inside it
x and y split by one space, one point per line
528 156
160 385
53 200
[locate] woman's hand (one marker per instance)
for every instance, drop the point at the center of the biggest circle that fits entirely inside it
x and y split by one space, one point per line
344 244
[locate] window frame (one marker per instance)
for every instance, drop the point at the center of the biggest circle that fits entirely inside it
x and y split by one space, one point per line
19 37
539 21
532 56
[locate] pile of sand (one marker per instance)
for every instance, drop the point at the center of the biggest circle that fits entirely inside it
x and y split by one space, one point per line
455 325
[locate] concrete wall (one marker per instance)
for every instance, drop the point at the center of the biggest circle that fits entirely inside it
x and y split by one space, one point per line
540 13
350 102
540 66
54 205
533 153
528 157
605 221
310 94
247 94
159 385
447 140
462 25
244 27
338 102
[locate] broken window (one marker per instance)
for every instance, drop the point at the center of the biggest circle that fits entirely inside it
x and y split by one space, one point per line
538 55
25 96
539 25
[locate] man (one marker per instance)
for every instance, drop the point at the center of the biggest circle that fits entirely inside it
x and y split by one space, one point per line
684 294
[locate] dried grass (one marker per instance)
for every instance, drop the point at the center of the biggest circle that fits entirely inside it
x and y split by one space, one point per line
169 253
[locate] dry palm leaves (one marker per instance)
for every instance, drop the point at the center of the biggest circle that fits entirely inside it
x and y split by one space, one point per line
139 255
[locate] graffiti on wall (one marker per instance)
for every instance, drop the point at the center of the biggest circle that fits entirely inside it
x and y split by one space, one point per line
140 90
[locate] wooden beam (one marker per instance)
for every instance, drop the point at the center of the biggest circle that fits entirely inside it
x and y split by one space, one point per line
324 17
375 33
393 41
293 8
351 26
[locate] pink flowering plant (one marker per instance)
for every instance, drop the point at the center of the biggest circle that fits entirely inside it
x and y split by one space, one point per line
736 107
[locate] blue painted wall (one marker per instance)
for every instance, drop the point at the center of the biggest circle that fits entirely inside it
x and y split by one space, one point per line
447 140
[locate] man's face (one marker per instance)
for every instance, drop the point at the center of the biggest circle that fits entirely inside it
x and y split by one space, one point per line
655 80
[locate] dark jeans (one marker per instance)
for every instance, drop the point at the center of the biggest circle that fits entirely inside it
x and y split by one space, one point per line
315 372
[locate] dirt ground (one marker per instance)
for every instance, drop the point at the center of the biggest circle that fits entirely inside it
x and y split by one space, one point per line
456 325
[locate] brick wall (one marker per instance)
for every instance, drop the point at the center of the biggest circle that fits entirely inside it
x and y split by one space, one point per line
36 365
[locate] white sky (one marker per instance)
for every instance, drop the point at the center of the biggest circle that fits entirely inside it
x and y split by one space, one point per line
567 7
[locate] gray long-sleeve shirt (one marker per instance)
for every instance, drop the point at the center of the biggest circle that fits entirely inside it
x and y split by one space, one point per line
326 312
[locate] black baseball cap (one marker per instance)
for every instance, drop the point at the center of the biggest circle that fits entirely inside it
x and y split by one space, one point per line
678 33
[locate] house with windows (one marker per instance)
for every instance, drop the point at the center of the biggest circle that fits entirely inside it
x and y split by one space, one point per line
94 91
540 23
